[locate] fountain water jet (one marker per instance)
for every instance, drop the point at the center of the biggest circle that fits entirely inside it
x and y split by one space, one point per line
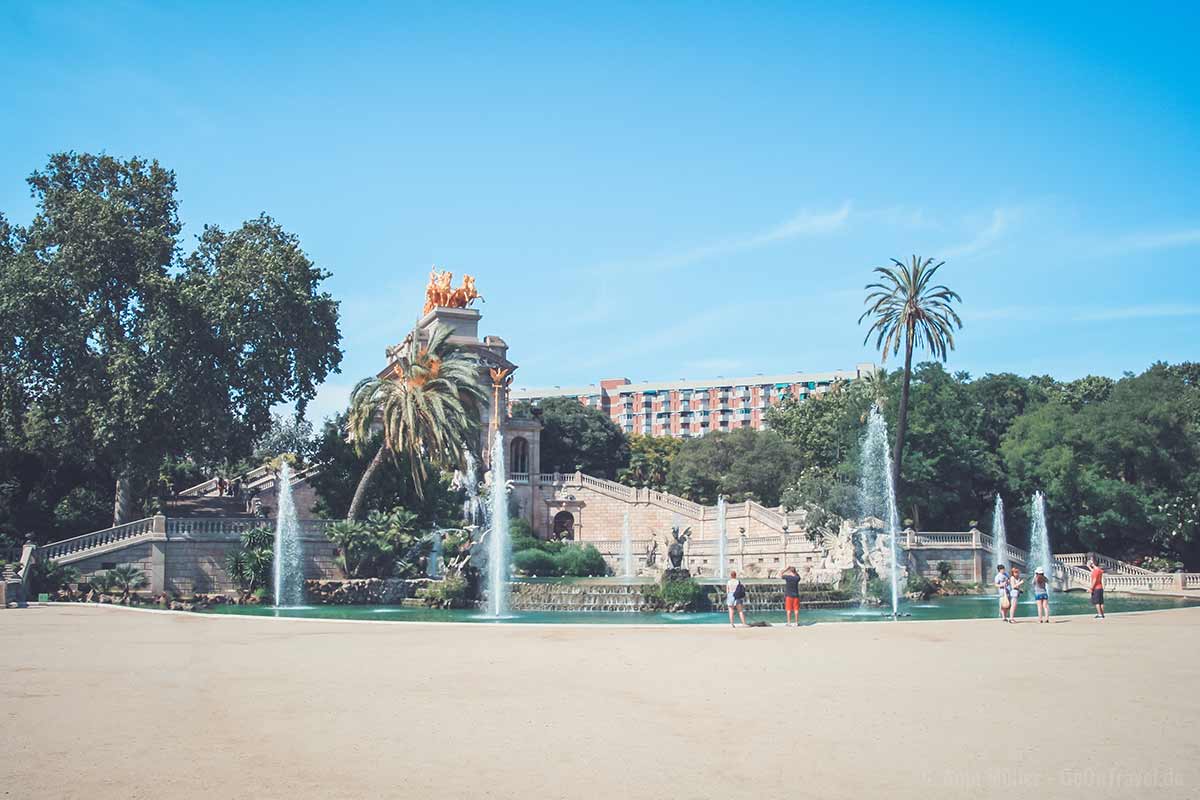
434 567
1039 538
499 546
289 574
999 534
877 495
722 540
626 547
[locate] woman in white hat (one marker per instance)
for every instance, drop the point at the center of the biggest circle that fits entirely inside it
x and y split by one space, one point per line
1041 593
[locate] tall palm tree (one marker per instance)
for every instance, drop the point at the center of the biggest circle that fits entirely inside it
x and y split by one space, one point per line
908 308
428 409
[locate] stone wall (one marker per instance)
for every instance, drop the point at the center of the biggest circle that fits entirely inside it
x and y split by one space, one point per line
187 564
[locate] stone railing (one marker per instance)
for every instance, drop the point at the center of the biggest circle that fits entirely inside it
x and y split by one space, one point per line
519 477
1108 564
90 541
945 538
1009 554
259 478
210 485
185 527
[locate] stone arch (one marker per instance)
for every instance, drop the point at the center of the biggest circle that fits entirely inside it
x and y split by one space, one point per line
518 460
563 525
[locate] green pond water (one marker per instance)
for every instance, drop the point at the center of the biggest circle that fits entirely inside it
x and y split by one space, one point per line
968 607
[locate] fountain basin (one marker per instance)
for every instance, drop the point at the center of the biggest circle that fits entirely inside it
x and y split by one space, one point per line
1072 607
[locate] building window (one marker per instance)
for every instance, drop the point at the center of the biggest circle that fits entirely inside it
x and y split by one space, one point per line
519 460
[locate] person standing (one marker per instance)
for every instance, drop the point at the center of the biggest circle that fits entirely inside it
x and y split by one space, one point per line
735 597
1097 587
1041 594
791 595
1015 584
1002 586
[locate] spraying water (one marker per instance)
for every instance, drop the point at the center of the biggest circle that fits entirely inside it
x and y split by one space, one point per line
999 535
499 547
722 540
1039 537
472 507
434 568
626 547
289 574
877 496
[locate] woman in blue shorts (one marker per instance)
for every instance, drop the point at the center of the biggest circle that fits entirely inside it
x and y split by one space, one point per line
1041 593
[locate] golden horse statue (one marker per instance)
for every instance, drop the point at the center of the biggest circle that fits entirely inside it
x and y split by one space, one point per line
441 294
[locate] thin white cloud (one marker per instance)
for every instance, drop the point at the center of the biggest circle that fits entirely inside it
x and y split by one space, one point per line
1001 221
1160 240
803 224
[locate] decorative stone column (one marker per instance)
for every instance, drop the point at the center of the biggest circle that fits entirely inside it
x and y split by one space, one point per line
158 555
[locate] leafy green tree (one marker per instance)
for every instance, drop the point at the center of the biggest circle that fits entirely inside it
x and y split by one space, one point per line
342 468
576 437
428 409
907 309
825 429
1114 470
135 355
649 461
742 465
287 434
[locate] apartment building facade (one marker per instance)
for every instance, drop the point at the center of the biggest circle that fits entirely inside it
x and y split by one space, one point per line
690 408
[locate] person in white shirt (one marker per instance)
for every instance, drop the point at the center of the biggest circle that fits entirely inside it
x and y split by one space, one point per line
735 597
1002 586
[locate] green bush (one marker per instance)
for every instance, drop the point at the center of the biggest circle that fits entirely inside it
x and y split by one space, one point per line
580 561
49 576
686 594
450 592
250 566
382 546
945 570
535 562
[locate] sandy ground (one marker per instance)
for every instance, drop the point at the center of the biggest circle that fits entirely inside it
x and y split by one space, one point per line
108 703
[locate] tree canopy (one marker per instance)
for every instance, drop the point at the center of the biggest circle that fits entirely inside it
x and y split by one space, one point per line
127 352
575 437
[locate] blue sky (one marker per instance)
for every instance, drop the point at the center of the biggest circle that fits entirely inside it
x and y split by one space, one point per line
664 190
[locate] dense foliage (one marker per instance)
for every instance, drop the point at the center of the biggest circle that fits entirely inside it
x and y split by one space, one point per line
385 545
533 556
576 437
119 353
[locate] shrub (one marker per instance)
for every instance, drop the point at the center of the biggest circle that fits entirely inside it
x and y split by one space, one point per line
126 579
535 562
50 576
382 546
450 592
685 594
945 570
580 561
250 566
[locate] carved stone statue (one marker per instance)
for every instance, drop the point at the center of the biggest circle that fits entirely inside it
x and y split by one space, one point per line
441 294
652 552
675 549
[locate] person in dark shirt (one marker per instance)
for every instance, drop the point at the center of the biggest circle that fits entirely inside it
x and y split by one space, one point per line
791 594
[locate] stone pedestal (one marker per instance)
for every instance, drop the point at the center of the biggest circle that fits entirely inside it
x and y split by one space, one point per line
676 574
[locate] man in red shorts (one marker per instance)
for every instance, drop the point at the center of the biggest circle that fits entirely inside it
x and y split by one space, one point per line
791 594
1097 587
